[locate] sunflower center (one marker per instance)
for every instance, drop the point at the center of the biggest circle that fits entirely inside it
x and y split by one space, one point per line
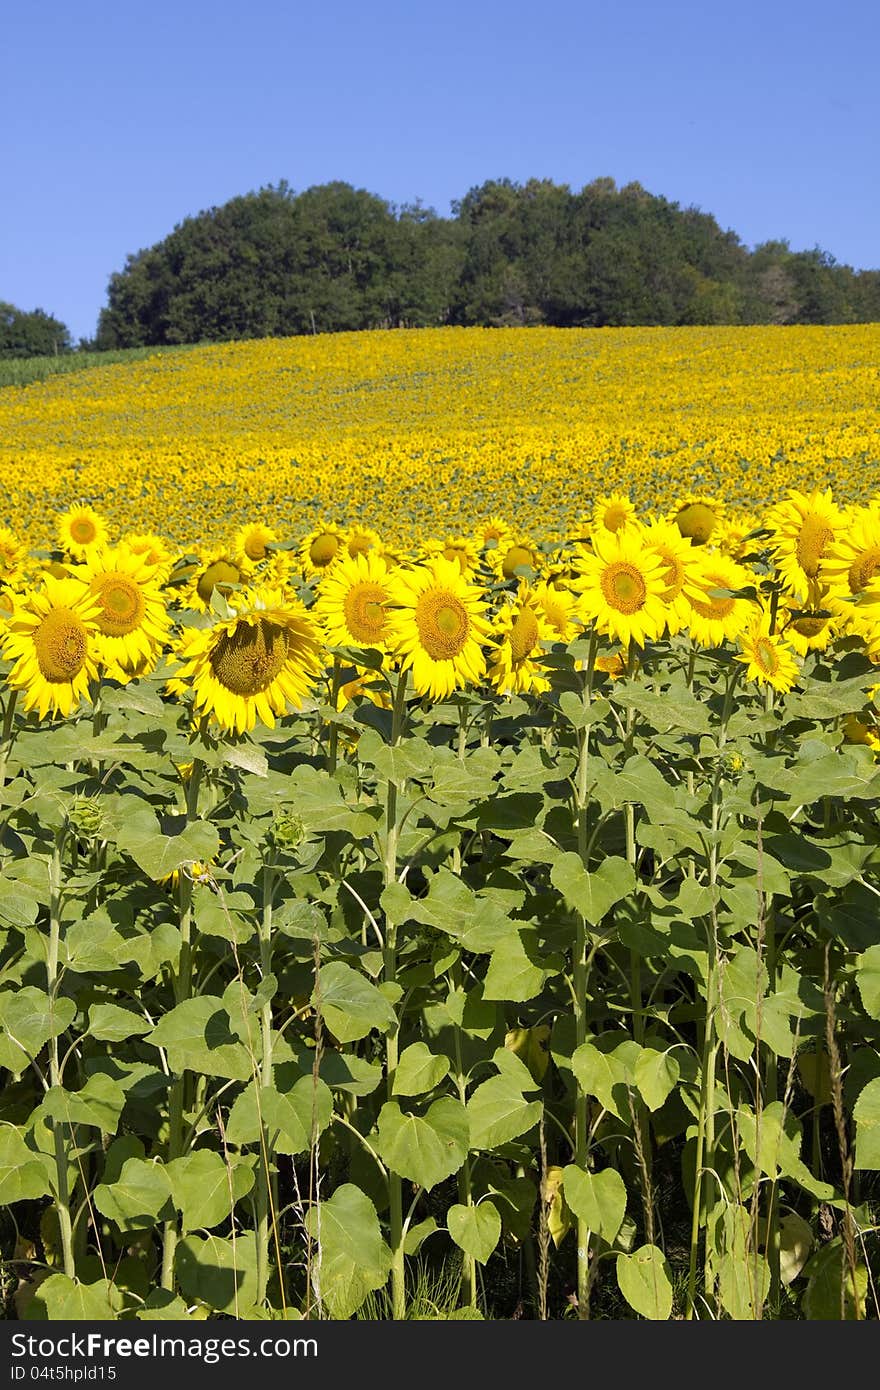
696 521
218 575
122 604
809 627
323 549
716 608
359 545
455 552
863 569
83 530
364 612
615 516
523 635
443 624
766 656
516 555
623 587
255 545
815 533
61 645
247 661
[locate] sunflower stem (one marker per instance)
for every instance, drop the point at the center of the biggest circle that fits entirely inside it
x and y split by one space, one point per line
333 741
392 1040
264 1188
580 972
6 734
62 1197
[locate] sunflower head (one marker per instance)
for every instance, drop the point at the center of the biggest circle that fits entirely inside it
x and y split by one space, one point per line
437 626
12 557
804 528
611 512
352 603
252 542
219 569
81 530
321 548
697 517
132 618
51 639
519 630
768 658
622 588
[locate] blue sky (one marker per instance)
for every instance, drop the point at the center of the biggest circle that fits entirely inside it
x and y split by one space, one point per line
119 120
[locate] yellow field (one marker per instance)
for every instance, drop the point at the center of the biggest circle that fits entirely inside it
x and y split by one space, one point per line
426 432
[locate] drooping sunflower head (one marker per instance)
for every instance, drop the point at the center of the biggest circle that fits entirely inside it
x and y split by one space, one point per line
252 542
507 559
697 517
437 626
218 569
520 628
611 512
352 603
768 658
622 588
12 558
252 666
716 610
804 529
50 638
80 531
362 539
322 547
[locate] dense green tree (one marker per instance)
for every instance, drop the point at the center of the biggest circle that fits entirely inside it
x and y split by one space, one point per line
31 334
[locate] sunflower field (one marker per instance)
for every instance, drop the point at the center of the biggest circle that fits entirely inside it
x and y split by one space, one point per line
438 829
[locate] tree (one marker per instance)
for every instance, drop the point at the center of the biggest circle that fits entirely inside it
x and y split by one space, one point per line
33 334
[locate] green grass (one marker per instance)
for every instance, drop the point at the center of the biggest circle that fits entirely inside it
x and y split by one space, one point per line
24 371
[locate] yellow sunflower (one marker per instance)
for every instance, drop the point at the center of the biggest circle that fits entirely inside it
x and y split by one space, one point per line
804 529
361 539
252 542
50 638
80 531
218 569
519 629
155 550
494 531
851 565
438 627
697 517
808 624
132 619
611 512
622 586
352 602
559 607
767 657
458 548
712 616
679 560
255 665
506 559
321 547
733 535
12 557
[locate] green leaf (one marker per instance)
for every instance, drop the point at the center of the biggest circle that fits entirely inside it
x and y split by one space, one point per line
426 1148
831 1294
205 1189
139 1197
477 1230
417 1235
221 1273
288 1117
868 979
110 1023
743 1275
656 1076
99 1103
645 1282
866 1114
350 1257
351 1005
28 1019
512 976
597 1198
23 1173
604 1076
498 1112
197 1036
158 854
66 1300
592 894
418 1071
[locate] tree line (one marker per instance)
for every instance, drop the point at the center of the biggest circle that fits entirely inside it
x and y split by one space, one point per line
276 263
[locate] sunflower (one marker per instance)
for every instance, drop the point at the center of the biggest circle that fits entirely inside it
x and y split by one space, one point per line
519 629
12 557
697 517
622 586
557 604
768 658
218 569
679 560
132 619
808 624
611 512
458 548
321 547
154 550
361 539
437 627
712 617
734 532
494 531
506 559
851 565
80 531
50 638
804 530
254 665
252 542
352 601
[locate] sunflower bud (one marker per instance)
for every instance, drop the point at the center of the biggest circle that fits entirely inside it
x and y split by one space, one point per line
85 817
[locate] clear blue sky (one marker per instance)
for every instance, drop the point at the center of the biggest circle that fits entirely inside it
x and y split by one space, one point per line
117 120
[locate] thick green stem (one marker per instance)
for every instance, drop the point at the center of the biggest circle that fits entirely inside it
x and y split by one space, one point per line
580 980
182 991
392 1040
264 1184
62 1200
6 733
